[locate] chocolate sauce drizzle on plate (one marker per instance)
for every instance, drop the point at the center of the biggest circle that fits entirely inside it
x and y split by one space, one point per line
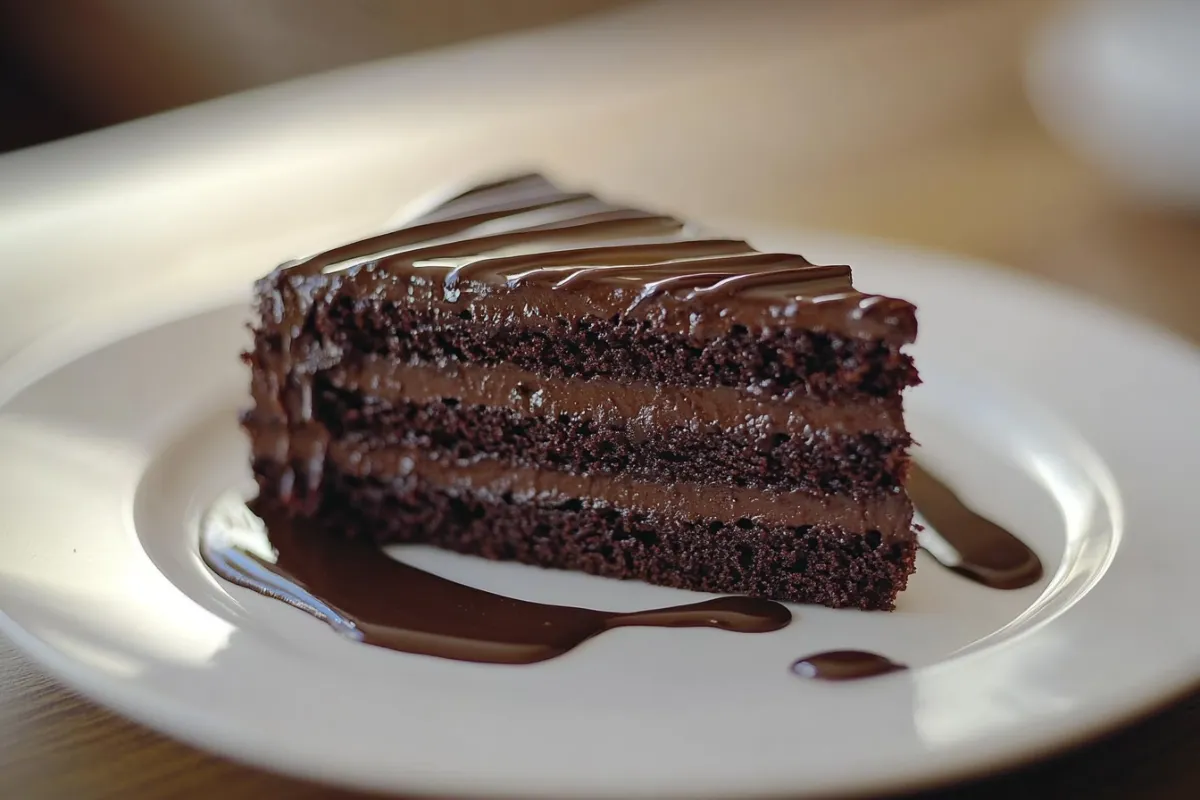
366 595
987 553
845 665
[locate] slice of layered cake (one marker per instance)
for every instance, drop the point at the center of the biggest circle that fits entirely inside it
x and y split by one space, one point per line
534 374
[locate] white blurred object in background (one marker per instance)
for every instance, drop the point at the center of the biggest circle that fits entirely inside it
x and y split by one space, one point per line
1119 81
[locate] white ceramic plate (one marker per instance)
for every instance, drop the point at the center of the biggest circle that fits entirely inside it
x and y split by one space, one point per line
1067 423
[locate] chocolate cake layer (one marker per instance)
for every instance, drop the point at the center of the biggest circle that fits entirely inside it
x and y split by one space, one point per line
523 372
305 457
815 461
819 563
642 408
819 364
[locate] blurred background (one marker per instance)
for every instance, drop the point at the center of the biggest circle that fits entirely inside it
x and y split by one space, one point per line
72 65
1059 137
1014 129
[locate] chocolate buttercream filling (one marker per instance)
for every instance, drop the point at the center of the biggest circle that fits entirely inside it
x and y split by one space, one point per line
641 407
888 514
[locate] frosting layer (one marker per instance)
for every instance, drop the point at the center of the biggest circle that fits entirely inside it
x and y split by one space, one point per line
522 247
642 408
890 515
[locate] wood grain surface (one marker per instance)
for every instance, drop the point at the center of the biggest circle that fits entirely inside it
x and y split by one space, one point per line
993 185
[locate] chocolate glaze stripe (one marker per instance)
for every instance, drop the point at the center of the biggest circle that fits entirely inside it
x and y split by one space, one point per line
671 257
546 227
365 595
736 284
457 230
502 194
401 239
655 289
456 218
564 218
733 284
890 515
648 252
640 407
550 227
717 272
715 266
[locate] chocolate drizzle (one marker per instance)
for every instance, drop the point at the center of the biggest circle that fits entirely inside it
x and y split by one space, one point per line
365 595
525 231
844 665
987 553
735 283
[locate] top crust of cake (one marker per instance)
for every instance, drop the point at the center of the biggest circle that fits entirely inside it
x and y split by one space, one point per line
524 250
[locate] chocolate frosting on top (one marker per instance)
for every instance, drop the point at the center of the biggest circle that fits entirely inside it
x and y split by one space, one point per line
525 235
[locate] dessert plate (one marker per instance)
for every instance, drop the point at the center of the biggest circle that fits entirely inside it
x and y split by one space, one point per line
1065 422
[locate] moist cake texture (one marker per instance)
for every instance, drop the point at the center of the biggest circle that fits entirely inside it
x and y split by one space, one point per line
529 373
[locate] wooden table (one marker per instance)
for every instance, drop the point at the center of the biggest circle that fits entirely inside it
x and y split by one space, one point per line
988 183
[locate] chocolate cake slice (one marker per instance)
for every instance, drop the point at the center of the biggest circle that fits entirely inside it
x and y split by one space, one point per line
524 372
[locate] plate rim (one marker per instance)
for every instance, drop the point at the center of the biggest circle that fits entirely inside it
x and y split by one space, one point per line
1068 736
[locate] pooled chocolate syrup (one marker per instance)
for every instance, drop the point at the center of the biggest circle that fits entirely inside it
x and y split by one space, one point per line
988 554
844 665
366 595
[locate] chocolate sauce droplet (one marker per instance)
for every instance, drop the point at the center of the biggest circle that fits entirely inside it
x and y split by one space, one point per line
366 595
844 665
988 553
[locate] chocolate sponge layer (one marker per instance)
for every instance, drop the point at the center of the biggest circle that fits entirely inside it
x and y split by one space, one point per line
807 564
812 461
776 362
